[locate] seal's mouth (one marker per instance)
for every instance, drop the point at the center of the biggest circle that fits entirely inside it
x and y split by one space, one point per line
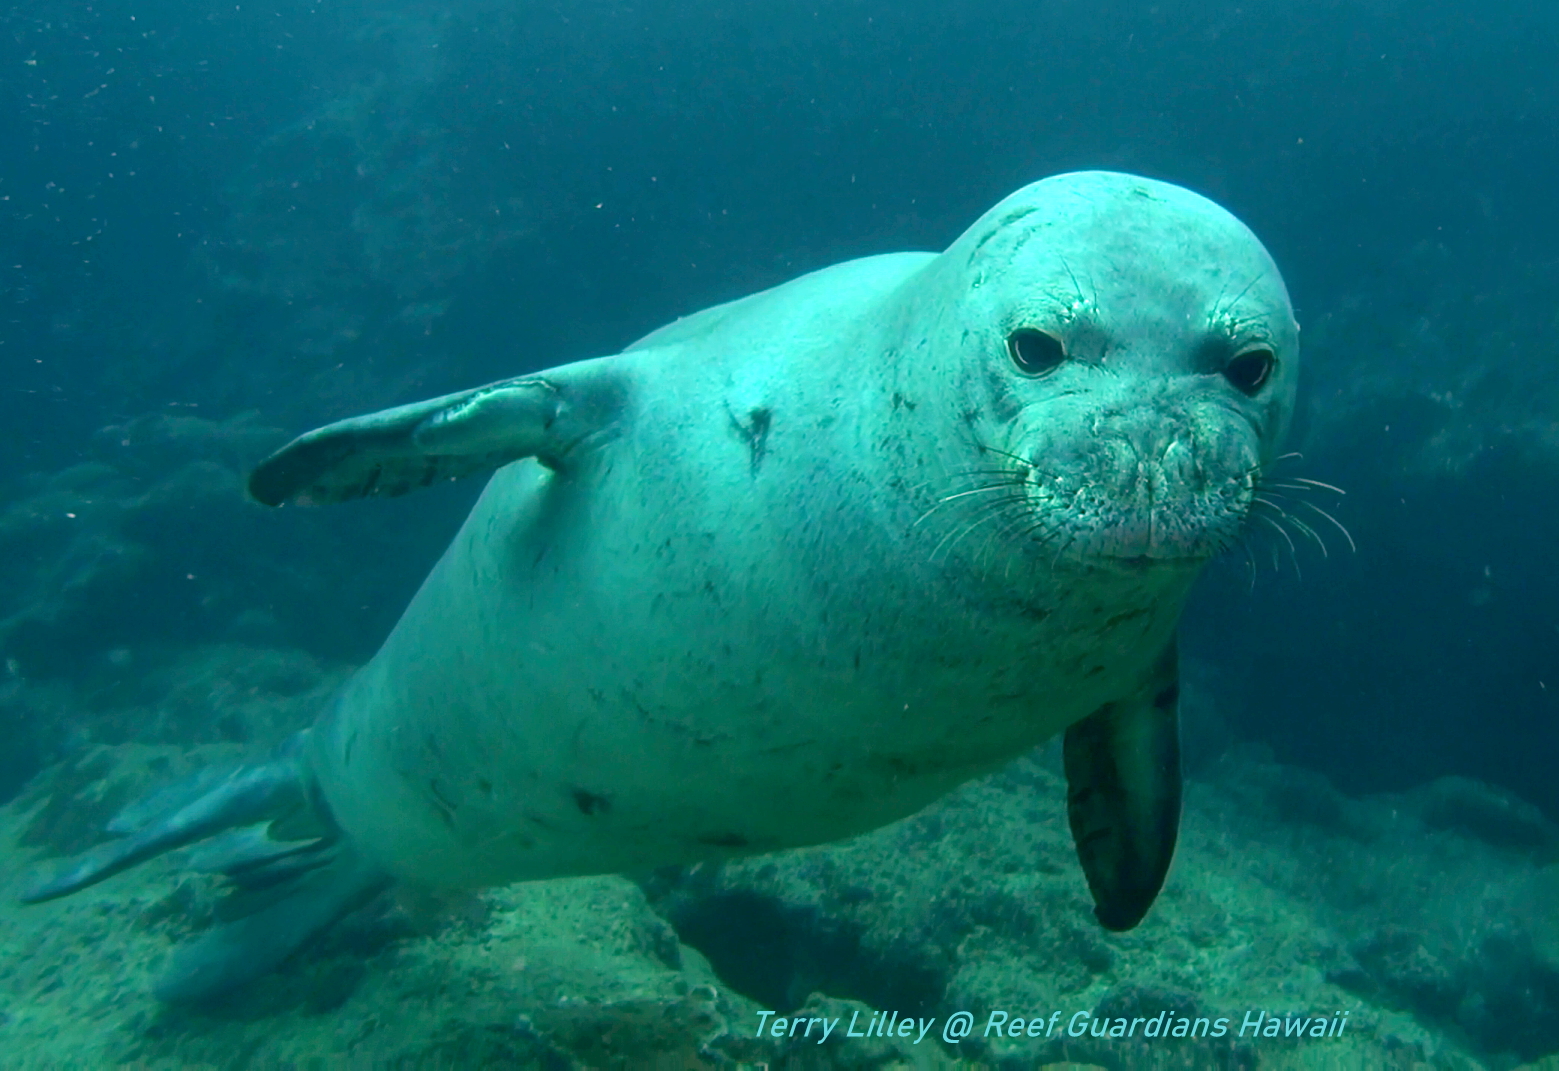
1138 520
1184 533
1156 487
1165 513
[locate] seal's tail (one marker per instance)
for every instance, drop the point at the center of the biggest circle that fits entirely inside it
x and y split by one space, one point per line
292 873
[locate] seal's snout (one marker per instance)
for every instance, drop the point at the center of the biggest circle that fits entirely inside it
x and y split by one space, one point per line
1146 485
1130 469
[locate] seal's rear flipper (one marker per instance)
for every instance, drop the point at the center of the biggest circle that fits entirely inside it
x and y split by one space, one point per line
208 803
1123 799
272 914
292 873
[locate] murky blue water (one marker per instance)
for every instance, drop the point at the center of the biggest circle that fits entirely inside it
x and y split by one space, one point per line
223 224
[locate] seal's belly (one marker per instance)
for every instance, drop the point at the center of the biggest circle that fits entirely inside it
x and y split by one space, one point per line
594 785
644 697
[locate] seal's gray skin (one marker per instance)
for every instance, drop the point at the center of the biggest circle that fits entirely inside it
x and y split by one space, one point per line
782 572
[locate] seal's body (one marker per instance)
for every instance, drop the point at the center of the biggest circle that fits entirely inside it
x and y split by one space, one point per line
787 570
721 629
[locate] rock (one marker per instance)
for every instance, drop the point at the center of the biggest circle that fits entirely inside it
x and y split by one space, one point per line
1496 817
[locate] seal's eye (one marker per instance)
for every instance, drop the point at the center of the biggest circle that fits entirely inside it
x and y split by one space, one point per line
1034 352
1250 370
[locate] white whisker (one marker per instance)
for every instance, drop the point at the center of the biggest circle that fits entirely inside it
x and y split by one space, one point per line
1293 551
1010 488
1318 483
1295 521
1351 544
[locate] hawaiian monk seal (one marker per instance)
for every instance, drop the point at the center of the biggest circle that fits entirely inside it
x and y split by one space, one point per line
781 572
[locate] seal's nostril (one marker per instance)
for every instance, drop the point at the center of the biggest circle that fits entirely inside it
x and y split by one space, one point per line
1179 462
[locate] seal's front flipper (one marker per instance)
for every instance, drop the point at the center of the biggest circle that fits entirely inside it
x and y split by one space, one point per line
1123 800
475 431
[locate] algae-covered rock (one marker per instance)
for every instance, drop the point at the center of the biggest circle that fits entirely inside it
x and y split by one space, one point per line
1485 812
1280 886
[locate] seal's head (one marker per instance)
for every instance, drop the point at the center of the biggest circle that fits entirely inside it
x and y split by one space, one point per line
1124 355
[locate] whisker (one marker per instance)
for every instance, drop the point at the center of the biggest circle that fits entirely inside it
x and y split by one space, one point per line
1023 528
1015 490
983 509
988 512
998 536
1351 544
990 466
999 503
1311 532
1318 483
999 474
952 537
1043 525
1250 559
1076 288
955 496
1219 314
1295 521
1004 453
1294 488
1292 455
965 480
1293 552
1062 550
1306 485
1027 522
1046 528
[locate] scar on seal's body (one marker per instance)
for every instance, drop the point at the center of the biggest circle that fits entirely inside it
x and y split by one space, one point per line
755 432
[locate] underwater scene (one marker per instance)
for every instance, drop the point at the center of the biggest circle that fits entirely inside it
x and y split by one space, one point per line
748 534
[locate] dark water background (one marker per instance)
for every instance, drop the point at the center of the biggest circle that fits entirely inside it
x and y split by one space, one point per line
298 211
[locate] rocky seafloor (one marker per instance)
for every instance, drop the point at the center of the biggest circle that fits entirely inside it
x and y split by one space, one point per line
1425 916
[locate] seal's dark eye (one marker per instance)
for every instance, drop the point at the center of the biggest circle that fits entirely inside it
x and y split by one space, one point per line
1034 352
1250 371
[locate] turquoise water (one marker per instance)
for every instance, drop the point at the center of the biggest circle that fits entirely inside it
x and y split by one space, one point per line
223 226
